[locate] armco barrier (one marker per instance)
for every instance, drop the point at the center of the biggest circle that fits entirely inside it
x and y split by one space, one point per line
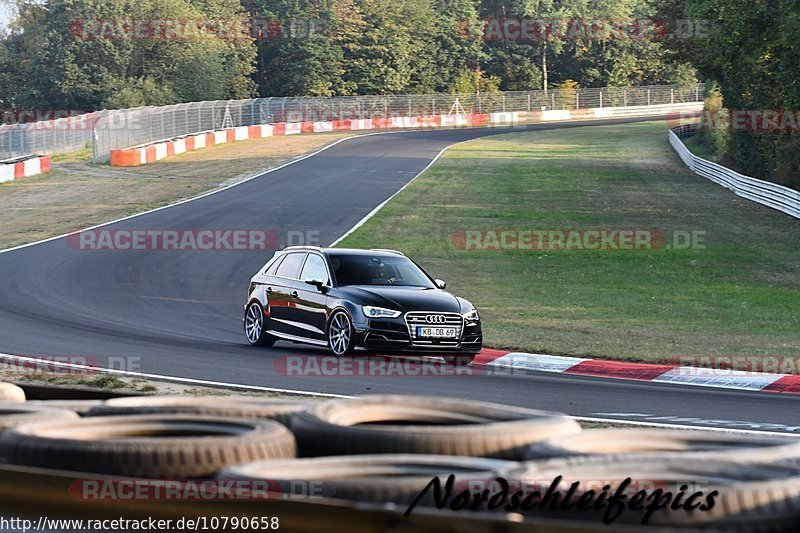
14 169
765 193
159 150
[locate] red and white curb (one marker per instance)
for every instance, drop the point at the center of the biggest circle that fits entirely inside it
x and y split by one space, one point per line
151 152
677 374
15 169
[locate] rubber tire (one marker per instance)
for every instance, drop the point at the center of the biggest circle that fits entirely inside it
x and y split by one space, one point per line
264 339
11 393
351 347
82 407
752 496
426 425
363 478
13 414
151 446
235 407
712 445
459 360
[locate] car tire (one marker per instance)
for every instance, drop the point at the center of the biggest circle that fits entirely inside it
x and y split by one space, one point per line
426 425
757 496
215 406
341 336
81 407
393 478
458 360
150 446
13 414
694 444
255 326
11 393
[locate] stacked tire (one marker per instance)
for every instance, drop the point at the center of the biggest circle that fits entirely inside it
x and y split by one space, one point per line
413 451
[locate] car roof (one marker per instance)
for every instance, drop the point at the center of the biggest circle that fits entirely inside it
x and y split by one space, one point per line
344 251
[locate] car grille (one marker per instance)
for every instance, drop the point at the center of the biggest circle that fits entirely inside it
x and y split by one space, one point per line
420 318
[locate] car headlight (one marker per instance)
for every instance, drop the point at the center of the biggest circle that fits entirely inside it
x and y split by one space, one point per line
380 312
471 316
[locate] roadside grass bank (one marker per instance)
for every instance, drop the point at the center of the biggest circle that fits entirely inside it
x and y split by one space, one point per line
726 284
77 194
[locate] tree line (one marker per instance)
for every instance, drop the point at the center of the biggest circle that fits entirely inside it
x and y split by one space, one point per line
79 54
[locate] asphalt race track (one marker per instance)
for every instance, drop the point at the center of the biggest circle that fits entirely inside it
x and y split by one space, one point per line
179 313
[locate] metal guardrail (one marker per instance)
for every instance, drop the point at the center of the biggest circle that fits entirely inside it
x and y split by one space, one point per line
123 128
765 193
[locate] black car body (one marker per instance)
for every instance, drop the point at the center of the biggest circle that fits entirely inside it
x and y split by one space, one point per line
377 301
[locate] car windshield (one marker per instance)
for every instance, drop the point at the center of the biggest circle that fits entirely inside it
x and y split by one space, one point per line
378 270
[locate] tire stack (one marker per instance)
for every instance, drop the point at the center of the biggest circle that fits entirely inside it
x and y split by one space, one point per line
384 450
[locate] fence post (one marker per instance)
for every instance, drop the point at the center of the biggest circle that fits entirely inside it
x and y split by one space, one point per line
433 105
94 144
672 95
624 97
553 99
529 102
504 102
601 99
578 99
648 96
480 104
697 93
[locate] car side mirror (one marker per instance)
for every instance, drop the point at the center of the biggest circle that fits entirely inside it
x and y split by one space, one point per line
318 283
442 284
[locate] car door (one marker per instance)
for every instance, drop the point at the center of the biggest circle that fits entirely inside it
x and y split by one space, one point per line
279 293
310 310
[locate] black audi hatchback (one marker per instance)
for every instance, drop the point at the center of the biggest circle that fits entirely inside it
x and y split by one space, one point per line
375 301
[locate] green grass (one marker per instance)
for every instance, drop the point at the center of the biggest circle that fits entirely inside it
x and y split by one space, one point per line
739 295
699 149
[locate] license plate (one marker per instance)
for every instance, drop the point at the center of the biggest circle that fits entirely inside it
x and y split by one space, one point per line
446 333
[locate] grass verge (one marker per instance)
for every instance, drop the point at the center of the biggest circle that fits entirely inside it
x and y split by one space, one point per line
736 291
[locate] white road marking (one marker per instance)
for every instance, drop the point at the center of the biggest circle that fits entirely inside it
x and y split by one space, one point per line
720 425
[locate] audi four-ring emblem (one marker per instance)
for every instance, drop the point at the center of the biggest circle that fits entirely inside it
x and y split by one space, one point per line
435 319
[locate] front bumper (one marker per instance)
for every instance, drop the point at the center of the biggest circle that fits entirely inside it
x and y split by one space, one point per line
392 336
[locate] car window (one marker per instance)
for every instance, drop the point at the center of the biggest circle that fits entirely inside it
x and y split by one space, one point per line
290 267
378 270
274 266
314 269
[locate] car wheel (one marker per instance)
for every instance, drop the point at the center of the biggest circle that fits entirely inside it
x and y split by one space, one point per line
255 326
458 360
340 334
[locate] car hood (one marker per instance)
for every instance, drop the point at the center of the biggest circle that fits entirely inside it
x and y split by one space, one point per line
404 298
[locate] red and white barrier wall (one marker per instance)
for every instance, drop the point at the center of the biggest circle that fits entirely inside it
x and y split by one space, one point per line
140 155
16 169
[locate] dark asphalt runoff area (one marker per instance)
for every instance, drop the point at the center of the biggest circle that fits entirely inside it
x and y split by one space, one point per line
179 313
